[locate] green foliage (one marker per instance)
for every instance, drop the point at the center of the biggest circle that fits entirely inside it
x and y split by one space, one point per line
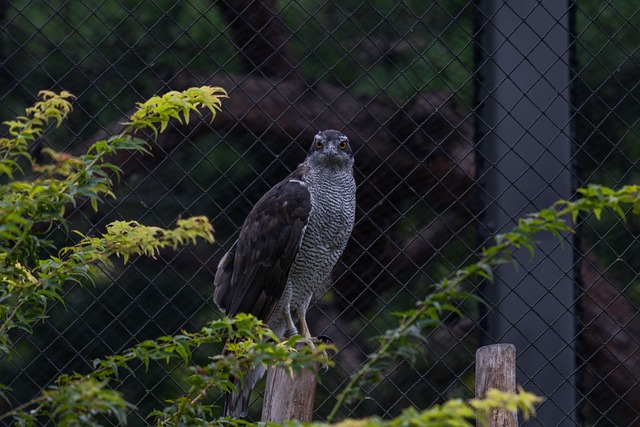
249 342
158 110
33 272
402 340
32 277
455 412
29 127
74 403
126 238
77 398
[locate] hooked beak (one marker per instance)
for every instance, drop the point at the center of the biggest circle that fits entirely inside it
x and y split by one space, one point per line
331 150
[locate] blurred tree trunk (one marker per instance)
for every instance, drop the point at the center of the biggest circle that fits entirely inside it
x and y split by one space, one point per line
609 344
260 36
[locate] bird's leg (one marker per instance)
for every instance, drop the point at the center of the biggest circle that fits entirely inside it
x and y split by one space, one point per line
305 328
291 327
306 335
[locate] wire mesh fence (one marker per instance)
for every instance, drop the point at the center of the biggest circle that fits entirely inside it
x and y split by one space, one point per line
405 81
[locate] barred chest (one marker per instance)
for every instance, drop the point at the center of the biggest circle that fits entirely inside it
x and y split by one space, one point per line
330 223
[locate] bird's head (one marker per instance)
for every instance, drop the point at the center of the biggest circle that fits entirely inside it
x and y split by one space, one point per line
330 148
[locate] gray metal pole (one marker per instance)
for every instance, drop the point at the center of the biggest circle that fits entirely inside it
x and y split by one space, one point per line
525 152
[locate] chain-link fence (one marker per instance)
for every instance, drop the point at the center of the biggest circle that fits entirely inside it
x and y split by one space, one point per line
464 115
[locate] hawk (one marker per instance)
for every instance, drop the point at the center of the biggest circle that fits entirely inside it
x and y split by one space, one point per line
288 246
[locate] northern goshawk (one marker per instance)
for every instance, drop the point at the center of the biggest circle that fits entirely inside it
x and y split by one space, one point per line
288 246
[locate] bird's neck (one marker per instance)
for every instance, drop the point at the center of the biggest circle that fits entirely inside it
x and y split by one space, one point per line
330 168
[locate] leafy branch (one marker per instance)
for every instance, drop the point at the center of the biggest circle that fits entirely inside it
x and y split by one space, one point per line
244 349
429 312
28 128
159 110
27 291
29 277
88 394
455 412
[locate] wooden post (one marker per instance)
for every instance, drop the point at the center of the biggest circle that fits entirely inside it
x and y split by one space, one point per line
496 368
289 398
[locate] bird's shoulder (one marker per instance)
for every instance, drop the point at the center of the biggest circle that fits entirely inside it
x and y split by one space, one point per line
287 201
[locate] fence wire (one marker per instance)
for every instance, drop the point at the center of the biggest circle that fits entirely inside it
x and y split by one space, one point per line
401 80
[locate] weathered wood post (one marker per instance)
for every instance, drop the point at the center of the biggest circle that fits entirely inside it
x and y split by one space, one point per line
287 397
496 368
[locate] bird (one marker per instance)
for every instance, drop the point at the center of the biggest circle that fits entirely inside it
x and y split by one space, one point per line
287 248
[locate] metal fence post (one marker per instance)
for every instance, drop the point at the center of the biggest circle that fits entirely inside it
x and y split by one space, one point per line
525 156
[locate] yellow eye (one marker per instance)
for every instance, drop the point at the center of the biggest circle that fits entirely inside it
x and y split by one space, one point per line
342 145
318 144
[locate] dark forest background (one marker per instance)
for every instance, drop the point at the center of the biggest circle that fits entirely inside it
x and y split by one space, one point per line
398 79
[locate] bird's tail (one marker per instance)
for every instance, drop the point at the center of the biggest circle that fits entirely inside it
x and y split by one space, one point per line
236 404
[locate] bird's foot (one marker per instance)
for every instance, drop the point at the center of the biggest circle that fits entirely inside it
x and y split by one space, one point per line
324 339
313 343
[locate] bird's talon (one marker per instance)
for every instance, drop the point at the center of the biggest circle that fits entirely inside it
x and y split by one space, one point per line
324 339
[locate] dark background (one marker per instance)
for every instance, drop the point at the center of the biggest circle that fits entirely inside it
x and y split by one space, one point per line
399 79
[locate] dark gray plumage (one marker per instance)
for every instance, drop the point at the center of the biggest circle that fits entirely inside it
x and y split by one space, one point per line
288 246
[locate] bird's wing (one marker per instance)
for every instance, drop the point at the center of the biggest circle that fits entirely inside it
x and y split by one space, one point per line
252 276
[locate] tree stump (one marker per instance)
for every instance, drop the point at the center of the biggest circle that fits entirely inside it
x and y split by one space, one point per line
288 397
496 368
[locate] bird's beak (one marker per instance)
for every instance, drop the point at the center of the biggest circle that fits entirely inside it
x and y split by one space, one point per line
331 150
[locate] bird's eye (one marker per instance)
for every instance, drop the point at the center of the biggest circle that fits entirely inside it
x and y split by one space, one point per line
343 145
318 144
